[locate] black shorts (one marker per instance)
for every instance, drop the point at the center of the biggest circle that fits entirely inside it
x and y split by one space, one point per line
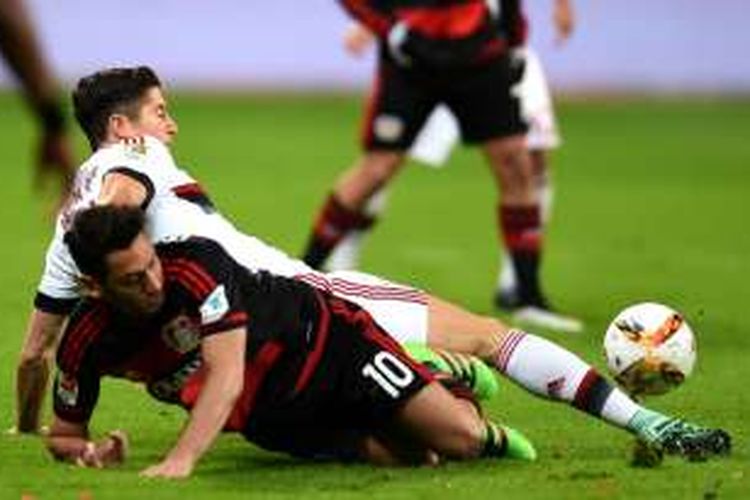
480 97
362 378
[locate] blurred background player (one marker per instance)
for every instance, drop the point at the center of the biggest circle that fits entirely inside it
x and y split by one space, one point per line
441 132
22 52
458 55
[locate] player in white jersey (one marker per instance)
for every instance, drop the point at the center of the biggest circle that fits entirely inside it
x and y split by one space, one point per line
177 207
439 136
126 104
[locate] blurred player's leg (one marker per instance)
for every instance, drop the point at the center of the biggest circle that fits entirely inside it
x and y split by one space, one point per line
542 136
395 112
431 147
342 211
519 220
506 294
346 255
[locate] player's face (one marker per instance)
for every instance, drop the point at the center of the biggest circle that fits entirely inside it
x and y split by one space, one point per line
135 281
153 117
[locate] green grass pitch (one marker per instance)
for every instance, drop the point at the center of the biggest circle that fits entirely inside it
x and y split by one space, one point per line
652 202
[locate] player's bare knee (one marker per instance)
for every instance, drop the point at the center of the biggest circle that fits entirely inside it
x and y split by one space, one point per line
485 336
381 167
35 355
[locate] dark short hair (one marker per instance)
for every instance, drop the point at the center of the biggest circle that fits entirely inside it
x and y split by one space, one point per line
104 93
96 232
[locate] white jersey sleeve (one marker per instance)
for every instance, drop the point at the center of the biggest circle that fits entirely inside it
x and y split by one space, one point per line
537 107
176 208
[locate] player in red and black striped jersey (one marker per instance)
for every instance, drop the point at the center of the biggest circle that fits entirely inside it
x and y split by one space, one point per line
293 368
454 52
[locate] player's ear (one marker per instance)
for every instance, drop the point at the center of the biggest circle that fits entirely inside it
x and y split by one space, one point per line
119 126
90 287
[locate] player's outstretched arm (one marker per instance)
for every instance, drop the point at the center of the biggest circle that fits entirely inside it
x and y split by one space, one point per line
224 361
33 368
19 45
69 441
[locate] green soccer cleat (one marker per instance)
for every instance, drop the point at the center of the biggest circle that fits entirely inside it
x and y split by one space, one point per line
502 441
467 368
518 446
677 437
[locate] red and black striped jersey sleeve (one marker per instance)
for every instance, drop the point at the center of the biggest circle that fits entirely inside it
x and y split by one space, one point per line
435 20
76 387
209 280
438 33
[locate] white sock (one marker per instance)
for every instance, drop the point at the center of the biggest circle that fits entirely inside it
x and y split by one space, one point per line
550 371
346 254
506 278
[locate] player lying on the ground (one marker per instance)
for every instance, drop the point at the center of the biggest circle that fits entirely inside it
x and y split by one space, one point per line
292 368
125 103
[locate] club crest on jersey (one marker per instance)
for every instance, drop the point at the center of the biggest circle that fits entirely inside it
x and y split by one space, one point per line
67 389
181 334
388 128
135 148
215 306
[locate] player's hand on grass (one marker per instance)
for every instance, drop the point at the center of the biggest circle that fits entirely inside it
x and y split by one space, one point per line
108 452
169 468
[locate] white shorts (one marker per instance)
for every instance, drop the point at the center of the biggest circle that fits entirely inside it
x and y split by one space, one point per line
440 132
400 310
536 105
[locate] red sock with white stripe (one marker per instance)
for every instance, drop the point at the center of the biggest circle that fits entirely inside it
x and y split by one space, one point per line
334 222
521 230
553 372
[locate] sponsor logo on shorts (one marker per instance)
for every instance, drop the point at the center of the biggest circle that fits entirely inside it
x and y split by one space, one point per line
388 128
67 389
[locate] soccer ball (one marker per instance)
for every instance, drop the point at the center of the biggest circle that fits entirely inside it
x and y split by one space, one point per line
650 349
